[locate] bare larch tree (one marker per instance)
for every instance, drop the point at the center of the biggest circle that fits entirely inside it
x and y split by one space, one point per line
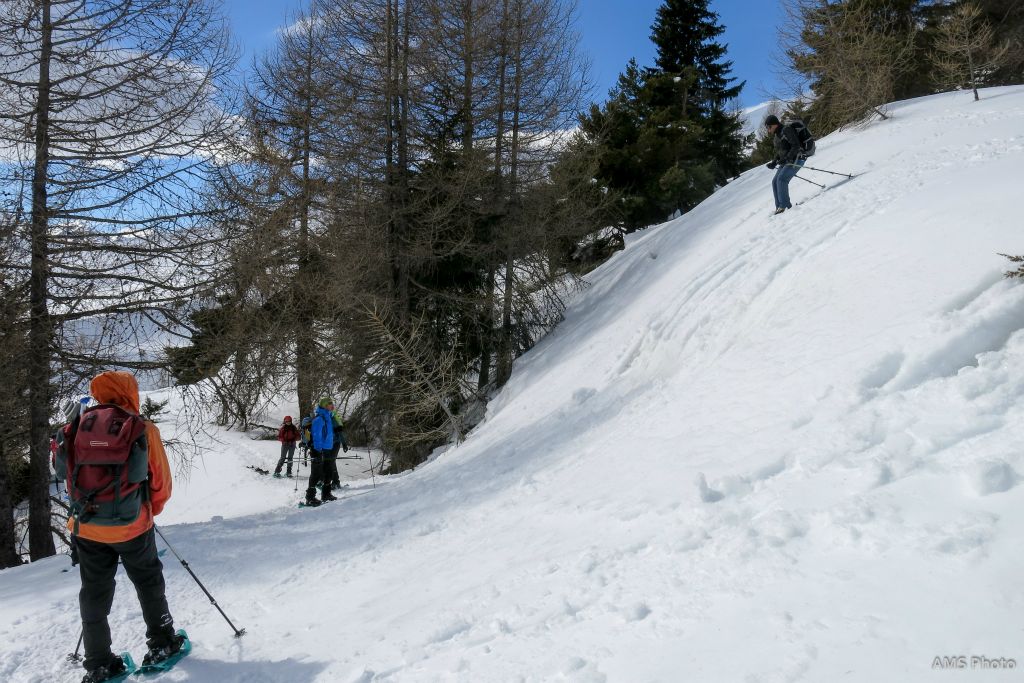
111 117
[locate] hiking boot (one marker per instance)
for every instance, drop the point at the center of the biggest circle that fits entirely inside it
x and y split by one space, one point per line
312 503
104 673
779 210
277 475
160 653
327 495
289 475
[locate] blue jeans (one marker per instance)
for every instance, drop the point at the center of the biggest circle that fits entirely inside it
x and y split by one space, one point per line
780 183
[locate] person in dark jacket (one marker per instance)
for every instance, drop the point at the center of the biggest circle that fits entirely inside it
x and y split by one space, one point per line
340 444
288 435
788 158
322 429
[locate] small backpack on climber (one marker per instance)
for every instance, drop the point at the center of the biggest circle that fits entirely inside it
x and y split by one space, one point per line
306 434
103 455
803 133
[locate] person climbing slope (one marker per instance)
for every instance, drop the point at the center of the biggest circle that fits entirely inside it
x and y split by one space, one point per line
118 480
793 144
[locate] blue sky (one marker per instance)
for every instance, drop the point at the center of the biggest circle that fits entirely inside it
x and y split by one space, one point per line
612 32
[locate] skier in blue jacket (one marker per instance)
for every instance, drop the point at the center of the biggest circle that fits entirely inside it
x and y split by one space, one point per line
322 430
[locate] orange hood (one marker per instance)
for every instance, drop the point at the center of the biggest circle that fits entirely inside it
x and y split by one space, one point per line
117 387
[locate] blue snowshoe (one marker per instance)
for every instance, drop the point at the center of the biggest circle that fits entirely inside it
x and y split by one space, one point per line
160 659
119 669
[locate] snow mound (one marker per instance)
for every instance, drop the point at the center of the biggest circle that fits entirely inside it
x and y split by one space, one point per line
758 449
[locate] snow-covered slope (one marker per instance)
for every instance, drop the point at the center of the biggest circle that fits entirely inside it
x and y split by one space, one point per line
758 449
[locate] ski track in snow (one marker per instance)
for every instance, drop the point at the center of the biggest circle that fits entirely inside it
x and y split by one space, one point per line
758 449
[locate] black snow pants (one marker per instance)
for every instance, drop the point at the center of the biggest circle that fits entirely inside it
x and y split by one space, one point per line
331 467
97 567
318 473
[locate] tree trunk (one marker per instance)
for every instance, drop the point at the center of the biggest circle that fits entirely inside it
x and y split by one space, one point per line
304 350
487 323
487 333
41 327
974 79
305 344
8 542
467 77
506 348
504 369
396 152
402 140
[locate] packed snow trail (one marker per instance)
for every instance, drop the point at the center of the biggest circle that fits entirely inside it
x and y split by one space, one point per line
758 449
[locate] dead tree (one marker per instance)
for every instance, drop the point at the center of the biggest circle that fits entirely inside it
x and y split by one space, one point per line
113 110
546 80
965 50
854 53
418 384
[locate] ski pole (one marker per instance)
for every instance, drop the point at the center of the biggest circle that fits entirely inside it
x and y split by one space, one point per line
369 457
798 167
77 657
822 170
296 465
238 634
809 181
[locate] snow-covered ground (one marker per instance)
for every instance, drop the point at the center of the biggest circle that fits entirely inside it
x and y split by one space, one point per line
758 449
222 479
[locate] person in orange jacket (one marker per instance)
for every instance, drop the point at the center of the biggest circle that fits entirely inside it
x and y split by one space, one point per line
101 539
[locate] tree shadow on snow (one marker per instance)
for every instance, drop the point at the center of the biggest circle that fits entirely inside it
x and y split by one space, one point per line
290 670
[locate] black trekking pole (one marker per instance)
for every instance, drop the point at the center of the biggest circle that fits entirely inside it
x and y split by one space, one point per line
821 170
77 657
369 457
309 469
810 181
238 634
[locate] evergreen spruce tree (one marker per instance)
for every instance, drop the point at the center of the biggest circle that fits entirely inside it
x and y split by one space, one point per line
648 151
685 32
665 139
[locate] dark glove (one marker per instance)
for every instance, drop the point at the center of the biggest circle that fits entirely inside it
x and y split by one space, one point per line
344 449
772 164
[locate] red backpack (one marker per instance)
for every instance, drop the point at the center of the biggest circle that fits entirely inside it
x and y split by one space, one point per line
105 458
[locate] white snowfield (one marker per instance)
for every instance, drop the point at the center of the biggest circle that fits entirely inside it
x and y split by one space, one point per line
759 449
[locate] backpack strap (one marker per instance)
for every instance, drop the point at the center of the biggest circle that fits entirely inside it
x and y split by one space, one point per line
80 509
117 487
